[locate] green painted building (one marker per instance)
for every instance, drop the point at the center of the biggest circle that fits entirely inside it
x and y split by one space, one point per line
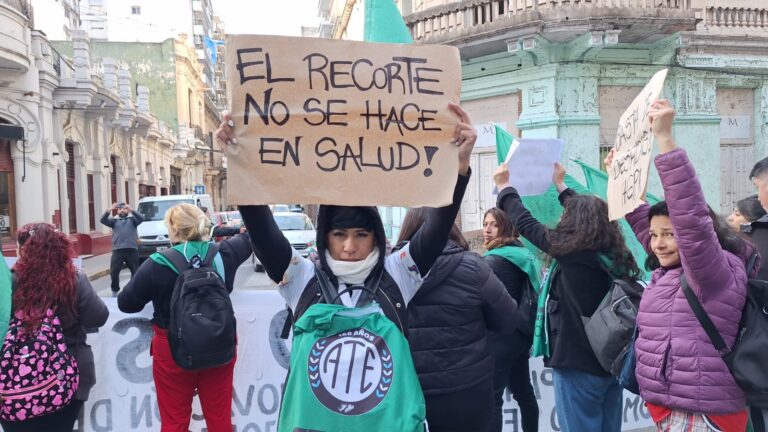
568 69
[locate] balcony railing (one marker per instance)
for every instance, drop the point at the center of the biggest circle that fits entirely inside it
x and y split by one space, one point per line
737 17
439 22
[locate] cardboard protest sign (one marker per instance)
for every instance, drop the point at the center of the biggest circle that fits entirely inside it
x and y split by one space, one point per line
475 239
531 164
323 121
628 174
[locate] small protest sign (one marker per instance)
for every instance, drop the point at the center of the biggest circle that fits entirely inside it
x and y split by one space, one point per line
323 121
475 240
531 164
628 174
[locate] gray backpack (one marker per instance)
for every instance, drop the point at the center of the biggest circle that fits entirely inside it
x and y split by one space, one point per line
610 329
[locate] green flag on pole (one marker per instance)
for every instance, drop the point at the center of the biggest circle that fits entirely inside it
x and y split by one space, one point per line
383 23
504 141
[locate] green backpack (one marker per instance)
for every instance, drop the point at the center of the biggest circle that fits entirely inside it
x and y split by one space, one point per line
351 370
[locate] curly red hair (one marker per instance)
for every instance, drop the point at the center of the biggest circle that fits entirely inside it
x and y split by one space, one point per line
45 275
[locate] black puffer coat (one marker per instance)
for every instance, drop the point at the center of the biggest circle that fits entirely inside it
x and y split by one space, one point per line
449 319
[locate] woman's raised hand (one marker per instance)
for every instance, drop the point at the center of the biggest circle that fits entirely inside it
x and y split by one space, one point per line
464 137
225 134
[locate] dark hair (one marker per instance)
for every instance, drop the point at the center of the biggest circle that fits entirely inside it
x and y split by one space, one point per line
507 232
585 226
728 239
415 218
750 208
760 168
45 275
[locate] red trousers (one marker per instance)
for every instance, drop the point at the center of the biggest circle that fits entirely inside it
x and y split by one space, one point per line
176 389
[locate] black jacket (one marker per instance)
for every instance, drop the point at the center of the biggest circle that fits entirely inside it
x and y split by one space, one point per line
449 319
154 282
758 233
576 290
513 278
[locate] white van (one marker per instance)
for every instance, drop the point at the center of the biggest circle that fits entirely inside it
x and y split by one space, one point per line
153 234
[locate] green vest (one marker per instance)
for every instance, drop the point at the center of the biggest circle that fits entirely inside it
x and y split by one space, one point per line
351 370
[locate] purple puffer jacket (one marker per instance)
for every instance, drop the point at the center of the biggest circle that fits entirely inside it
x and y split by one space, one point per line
677 366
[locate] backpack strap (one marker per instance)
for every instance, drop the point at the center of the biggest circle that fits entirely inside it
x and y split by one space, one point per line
704 319
179 261
213 249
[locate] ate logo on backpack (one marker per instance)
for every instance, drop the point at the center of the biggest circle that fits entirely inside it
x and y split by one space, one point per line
38 376
202 330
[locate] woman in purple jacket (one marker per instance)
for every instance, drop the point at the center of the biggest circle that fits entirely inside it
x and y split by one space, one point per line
685 383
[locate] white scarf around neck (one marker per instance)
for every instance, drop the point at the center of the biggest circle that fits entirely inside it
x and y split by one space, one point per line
352 272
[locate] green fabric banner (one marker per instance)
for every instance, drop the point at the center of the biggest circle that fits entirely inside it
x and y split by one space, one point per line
548 210
5 298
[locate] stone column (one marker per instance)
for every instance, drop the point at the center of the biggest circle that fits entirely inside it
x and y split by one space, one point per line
124 88
110 73
81 55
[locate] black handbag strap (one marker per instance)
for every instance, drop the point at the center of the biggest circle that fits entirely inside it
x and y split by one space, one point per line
704 319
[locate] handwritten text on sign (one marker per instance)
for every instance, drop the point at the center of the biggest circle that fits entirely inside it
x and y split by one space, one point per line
323 121
628 174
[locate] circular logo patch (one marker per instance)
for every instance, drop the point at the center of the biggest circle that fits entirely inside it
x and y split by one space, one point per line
350 372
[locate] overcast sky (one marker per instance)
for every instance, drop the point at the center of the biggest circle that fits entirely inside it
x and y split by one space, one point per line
278 17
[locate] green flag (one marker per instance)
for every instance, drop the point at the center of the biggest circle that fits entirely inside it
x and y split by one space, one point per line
383 23
597 182
547 210
504 141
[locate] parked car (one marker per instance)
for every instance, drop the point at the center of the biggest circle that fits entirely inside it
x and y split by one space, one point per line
220 220
153 234
235 220
279 208
298 229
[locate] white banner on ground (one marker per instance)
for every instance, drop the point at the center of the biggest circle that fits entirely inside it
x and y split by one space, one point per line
124 399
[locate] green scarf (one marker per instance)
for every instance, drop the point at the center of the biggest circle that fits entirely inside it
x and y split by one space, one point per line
189 250
541 328
6 298
523 259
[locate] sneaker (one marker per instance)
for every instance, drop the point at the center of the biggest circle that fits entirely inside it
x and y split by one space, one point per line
114 293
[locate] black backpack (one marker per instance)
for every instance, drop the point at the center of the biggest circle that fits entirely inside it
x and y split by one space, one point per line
202 331
748 358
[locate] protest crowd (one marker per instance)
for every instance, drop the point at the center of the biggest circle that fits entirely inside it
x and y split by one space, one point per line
430 334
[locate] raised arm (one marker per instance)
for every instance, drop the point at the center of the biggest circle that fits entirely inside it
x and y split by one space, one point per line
105 219
703 259
527 225
137 218
638 220
428 242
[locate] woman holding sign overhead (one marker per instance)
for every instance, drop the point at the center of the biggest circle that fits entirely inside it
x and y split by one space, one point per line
582 244
353 272
681 375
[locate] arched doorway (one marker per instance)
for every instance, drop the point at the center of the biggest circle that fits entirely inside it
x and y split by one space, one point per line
7 191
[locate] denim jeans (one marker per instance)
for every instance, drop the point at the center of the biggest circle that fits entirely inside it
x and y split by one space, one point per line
587 402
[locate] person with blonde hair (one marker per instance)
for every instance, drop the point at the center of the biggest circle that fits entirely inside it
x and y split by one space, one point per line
189 231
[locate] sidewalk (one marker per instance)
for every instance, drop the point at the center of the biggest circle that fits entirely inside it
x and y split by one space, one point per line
96 266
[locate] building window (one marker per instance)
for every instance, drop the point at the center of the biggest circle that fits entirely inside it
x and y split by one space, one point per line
135 10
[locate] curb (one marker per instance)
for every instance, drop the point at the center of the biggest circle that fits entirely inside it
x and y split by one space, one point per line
98 274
